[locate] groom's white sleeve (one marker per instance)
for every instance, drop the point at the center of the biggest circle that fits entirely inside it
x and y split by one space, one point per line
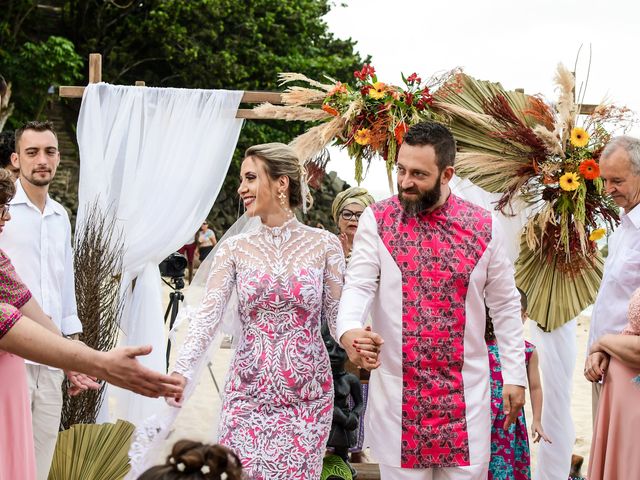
361 280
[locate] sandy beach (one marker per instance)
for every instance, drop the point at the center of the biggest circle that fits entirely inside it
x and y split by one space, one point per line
198 419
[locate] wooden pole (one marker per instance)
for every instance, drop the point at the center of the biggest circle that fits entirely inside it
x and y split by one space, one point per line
95 68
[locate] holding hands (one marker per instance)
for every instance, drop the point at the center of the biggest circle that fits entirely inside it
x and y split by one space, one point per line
596 364
363 347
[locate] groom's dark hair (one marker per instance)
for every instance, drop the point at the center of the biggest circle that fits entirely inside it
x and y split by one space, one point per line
436 135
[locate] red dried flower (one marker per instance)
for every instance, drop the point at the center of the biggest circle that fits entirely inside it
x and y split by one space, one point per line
364 91
414 78
399 132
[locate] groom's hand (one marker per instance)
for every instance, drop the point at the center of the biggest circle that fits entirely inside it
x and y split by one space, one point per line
512 402
363 347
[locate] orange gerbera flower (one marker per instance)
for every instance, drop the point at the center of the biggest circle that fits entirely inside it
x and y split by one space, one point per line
330 110
362 136
378 90
589 169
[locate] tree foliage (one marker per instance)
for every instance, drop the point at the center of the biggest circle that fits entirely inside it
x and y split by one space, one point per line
222 44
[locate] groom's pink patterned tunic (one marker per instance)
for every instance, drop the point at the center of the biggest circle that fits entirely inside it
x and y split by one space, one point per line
430 396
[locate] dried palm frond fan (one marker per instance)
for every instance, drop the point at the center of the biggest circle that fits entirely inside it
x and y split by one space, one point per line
517 145
96 452
98 256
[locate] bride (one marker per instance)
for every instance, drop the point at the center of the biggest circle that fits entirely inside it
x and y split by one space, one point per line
278 396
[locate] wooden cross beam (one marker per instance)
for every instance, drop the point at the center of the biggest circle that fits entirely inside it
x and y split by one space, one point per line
275 98
95 76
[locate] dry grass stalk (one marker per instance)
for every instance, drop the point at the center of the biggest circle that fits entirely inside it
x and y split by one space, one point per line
310 143
549 139
566 106
290 112
288 77
302 96
98 253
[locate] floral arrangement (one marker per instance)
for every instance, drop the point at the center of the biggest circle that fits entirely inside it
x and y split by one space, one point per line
368 118
547 156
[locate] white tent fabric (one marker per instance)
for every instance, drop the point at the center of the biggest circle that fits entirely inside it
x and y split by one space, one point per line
557 352
156 159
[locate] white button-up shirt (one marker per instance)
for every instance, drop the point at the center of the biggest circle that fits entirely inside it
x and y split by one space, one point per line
620 279
39 246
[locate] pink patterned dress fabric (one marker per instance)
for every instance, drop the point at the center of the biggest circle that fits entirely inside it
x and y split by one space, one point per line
17 455
278 397
436 253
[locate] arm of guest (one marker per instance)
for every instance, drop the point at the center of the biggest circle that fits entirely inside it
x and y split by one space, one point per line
361 285
503 300
120 367
33 310
625 348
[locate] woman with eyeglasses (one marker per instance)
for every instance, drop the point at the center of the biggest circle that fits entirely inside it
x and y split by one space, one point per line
346 209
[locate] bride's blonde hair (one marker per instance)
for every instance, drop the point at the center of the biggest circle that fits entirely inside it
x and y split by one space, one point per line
281 160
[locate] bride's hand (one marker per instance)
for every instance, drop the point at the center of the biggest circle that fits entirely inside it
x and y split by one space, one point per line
177 401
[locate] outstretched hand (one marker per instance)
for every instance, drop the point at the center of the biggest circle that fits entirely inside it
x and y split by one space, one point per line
79 382
178 400
363 347
122 369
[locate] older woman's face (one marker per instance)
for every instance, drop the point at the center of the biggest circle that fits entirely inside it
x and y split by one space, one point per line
5 216
348 218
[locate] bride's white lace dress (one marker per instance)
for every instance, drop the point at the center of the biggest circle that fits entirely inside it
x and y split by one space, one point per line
278 396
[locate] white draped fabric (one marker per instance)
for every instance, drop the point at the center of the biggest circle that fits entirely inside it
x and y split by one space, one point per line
156 158
557 352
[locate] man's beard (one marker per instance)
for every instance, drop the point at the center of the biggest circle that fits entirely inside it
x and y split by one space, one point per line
425 200
38 182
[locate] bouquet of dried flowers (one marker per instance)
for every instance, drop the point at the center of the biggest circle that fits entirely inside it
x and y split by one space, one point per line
368 118
517 145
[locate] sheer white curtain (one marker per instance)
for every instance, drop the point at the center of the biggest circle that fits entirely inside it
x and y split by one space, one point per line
156 157
557 352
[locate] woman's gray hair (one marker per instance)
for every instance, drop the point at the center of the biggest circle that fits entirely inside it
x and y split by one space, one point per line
281 160
629 144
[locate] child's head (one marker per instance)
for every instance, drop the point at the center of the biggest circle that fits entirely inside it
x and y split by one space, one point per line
489 334
196 461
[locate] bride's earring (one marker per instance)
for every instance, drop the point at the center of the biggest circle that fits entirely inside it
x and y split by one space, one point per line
283 204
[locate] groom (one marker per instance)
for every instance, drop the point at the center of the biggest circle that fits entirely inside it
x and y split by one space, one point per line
424 263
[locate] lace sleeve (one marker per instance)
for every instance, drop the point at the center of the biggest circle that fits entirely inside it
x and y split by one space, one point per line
206 320
333 281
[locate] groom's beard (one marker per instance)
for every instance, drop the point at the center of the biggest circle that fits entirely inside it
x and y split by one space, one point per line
423 202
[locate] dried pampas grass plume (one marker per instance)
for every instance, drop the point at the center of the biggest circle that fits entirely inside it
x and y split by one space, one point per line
566 82
549 139
290 112
288 77
315 139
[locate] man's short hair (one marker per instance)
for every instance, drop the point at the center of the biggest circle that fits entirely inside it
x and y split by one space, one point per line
629 144
34 125
436 135
7 147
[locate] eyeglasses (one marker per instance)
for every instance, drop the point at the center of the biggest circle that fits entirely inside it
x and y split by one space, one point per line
4 211
349 215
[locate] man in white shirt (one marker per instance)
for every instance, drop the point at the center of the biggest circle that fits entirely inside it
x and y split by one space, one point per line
620 170
38 242
424 263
